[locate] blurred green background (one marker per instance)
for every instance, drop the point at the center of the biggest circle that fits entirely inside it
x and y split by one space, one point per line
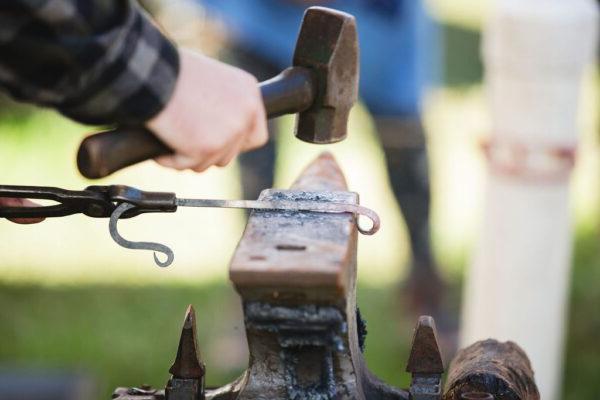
70 298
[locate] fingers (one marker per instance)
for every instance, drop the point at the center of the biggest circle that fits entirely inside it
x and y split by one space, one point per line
207 163
179 162
221 159
216 111
11 202
253 136
228 157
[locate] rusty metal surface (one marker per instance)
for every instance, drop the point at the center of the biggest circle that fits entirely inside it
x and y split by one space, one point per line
323 174
296 275
184 389
307 253
294 272
141 393
187 371
501 369
425 356
425 362
328 46
312 251
187 364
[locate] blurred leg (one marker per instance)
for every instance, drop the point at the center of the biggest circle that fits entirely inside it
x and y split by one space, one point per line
257 167
405 150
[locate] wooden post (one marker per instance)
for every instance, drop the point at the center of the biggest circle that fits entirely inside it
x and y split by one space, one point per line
535 53
500 369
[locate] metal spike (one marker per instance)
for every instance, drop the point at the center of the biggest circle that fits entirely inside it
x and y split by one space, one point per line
425 362
425 356
187 364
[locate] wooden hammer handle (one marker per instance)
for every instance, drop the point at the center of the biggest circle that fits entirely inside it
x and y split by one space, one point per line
103 153
106 152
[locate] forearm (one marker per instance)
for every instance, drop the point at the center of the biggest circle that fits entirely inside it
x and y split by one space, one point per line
96 61
104 62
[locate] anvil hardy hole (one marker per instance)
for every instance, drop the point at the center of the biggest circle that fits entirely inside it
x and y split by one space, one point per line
309 366
290 247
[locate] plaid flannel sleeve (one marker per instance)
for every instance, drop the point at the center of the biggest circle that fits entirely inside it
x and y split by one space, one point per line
96 61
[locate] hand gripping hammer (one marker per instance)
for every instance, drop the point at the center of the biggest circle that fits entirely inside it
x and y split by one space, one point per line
321 86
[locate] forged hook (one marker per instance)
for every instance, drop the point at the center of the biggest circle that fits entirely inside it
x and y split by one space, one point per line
155 247
372 215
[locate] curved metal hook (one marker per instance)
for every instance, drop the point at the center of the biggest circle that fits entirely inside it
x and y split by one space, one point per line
372 215
155 247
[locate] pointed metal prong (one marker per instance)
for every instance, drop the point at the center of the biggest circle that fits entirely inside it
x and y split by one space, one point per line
323 174
425 356
425 362
187 364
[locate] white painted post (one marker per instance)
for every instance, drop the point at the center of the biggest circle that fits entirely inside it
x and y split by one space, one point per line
517 289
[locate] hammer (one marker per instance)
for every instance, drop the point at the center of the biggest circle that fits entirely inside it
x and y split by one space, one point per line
321 86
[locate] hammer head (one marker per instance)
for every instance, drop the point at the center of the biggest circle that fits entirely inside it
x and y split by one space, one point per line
328 46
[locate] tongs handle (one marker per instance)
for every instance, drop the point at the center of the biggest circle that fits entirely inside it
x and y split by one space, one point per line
94 201
88 202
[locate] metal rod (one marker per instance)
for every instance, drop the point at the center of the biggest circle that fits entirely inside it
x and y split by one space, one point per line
294 206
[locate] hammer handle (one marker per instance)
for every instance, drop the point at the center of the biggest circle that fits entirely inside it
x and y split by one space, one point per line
103 153
290 92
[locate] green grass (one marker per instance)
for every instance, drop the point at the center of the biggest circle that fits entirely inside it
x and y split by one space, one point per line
583 350
120 335
126 336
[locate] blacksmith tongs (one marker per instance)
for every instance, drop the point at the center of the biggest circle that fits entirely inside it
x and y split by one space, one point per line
119 201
